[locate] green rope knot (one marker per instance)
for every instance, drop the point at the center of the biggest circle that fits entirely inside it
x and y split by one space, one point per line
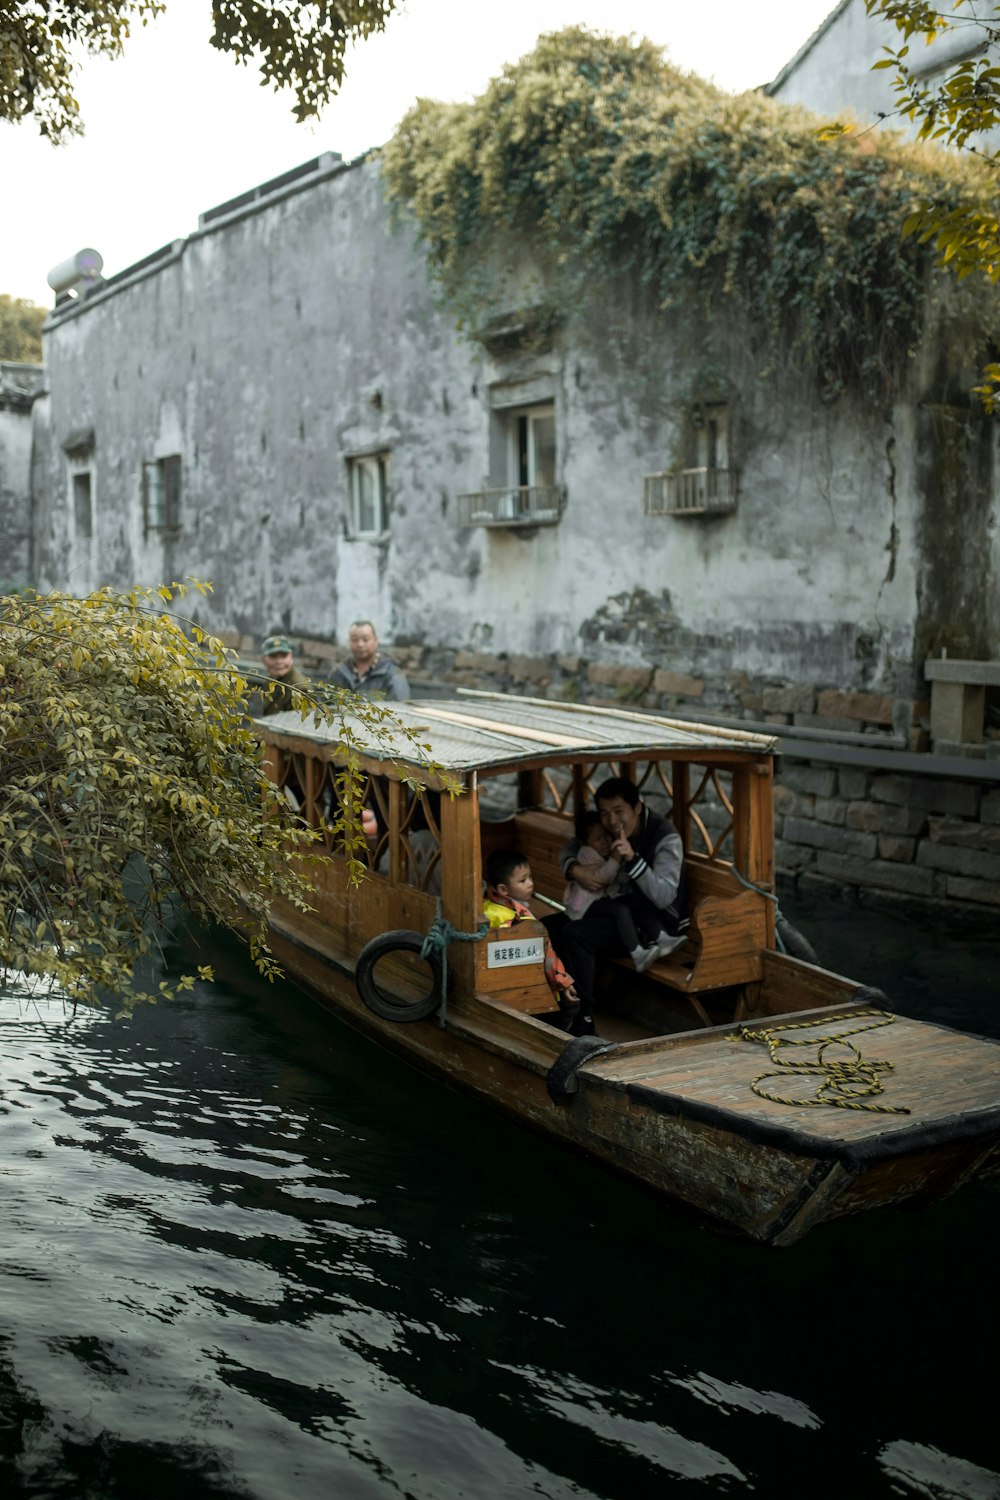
844 1082
439 935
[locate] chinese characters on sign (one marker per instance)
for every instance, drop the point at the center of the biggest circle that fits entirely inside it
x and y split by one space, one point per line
528 950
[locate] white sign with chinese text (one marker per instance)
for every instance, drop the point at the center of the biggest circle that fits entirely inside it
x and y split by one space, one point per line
526 950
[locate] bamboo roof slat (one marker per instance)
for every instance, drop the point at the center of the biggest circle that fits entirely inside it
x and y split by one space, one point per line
513 730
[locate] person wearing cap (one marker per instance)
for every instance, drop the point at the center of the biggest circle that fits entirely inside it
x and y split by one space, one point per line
278 662
369 672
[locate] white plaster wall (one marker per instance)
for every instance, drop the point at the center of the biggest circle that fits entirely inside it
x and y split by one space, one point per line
258 351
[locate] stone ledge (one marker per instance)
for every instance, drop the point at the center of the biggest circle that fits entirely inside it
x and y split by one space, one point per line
677 683
958 861
866 708
952 669
981 892
965 834
885 817
955 797
826 836
819 783
871 874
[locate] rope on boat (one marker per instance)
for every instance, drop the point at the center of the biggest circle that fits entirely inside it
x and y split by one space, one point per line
845 1083
439 935
782 927
768 895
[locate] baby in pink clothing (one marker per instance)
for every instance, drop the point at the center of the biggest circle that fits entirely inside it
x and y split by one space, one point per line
595 851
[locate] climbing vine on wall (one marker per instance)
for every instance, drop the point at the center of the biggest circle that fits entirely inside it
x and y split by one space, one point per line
608 161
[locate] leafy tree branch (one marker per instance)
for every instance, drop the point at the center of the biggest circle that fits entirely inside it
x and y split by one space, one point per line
131 782
302 47
20 330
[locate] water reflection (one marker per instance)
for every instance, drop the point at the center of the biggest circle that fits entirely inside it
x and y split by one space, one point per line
244 1253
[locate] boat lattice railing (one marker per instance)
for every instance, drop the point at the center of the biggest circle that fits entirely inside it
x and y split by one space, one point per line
702 795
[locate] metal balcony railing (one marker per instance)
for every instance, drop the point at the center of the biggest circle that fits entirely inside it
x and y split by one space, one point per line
519 505
691 492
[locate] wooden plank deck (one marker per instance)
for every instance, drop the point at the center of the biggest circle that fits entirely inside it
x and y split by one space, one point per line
937 1075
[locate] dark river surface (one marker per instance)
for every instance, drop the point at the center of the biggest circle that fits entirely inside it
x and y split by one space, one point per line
246 1253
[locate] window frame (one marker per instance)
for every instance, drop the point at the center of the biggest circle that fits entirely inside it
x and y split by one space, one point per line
375 464
162 511
522 462
76 475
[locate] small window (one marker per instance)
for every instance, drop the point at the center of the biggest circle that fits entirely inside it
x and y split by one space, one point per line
161 494
369 494
83 505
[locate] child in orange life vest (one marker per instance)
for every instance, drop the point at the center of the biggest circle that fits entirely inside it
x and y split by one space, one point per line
509 887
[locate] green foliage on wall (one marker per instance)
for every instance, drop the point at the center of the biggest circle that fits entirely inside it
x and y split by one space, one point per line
607 160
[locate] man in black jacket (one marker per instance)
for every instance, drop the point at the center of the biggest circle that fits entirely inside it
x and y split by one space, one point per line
649 881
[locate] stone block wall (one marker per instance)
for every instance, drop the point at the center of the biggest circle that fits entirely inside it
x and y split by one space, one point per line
920 837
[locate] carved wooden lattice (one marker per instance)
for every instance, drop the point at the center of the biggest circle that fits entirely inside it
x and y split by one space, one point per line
420 842
700 796
710 813
317 792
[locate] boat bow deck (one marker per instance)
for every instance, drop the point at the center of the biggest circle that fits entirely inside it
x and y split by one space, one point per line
947 1081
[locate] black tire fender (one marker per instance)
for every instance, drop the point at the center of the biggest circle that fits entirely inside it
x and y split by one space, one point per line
872 998
384 1002
792 942
561 1080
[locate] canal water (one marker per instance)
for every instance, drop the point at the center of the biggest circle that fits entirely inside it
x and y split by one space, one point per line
244 1253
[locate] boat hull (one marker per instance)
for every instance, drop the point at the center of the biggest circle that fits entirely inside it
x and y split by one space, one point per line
765 1183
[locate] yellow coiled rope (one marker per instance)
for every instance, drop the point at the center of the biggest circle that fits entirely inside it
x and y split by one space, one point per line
844 1082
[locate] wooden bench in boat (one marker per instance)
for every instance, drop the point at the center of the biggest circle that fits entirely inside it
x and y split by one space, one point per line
728 923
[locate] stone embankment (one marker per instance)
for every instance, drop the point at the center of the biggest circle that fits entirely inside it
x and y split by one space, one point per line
913 835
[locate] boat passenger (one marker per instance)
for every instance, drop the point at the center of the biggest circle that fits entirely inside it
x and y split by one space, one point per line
596 853
369 672
649 881
509 887
279 664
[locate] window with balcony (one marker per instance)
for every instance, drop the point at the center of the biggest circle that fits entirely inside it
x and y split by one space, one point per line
528 494
707 483
369 483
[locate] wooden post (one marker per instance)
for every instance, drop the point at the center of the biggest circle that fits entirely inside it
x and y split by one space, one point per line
461 880
680 780
753 830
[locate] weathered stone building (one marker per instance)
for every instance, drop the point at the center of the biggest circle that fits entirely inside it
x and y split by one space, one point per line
619 505
278 404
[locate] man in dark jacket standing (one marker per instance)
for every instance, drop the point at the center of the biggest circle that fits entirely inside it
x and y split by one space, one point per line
368 672
649 880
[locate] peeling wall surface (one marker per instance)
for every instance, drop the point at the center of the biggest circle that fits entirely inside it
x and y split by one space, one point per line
285 348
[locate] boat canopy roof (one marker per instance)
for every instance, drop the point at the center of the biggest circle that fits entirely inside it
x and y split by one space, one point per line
480 731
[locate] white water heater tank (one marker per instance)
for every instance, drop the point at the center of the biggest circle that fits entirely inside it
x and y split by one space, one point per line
84 266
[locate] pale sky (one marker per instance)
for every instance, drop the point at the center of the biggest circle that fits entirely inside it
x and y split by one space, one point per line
173 127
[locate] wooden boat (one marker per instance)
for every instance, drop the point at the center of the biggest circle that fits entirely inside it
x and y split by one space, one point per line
678 1098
